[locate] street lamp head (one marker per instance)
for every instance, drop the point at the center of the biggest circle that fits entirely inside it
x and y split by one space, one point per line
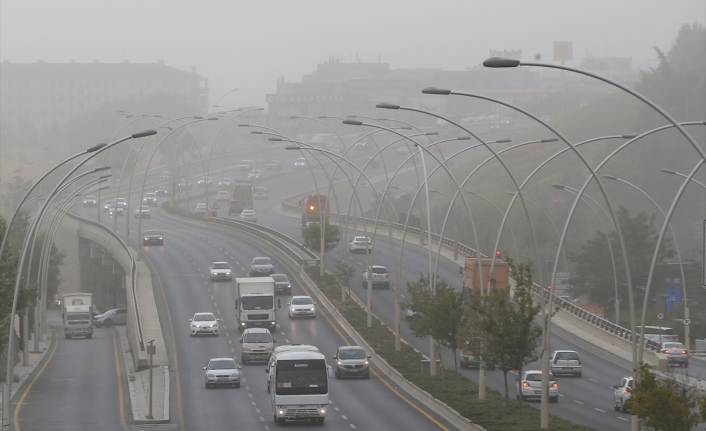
381 119
545 140
499 62
630 136
100 168
610 177
351 116
558 186
243 125
142 134
668 171
196 117
431 133
385 105
105 176
435 90
275 139
293 117
104 188
96 147
293 147
463 138
256 132
353 122
511 193
503 141
212 118
403 128
322 117
259 109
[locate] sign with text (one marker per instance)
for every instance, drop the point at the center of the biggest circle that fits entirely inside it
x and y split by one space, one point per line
563 51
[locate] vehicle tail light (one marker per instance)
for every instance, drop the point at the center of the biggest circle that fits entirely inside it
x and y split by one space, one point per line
555 385
628 390
525 384
387 275
579 361
665 351
684 352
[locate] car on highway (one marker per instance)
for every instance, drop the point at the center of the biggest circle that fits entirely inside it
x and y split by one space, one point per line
122 203
203 181
235 207
164 174
676 354
162 191
248 215
254 175
116 316
90 201
201 208
363 144
261 267
113 210
143 211
225 183
495 127
221 271
469 360
274 165
282 284
107 205
222 195
152 236
379 275
204 324
302 306
530 386
565 362
245 165
259 193
257 345
185 185
360 244
352 361
300 163
621 393
150 199
222 372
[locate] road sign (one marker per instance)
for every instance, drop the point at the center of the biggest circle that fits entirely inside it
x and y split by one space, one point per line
215 206
660 316
687 322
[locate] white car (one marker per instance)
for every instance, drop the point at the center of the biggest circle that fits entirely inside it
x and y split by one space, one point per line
143 211
259 193
221 271
90 201
150 199
530 386
203 181
565 362
201 208
621 394
122 203
300 163
248 215
379 275
360 244
302 306
222 372
116 316
116 210
204 323
222 196
225 183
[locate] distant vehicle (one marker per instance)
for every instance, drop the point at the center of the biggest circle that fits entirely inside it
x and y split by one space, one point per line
300 163
222 195
77 315
470 274
222 372
621 393
658 334
363 145
152 236
150 199
360 244
274 165
201 208
225 183
143 211
116 210
302 306
164 174
261 267
90 201
245 165
565 362
402 151
248 215
282 284
258 345
116 316
504 123
379 275
235 207
259 193
352 361
185 185
162 192
530 386
676 354
312 208
107 205
121 202
469 360
254 175
221 271
204 323
495 127
242 192
203 181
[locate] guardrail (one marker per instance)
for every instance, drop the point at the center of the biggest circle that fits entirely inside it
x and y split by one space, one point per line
133 273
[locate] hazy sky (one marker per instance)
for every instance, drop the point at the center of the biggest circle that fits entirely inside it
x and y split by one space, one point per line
249 44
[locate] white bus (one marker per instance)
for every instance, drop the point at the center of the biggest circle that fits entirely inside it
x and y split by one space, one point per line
298 383
658 334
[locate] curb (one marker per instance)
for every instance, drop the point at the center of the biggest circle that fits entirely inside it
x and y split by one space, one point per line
30 376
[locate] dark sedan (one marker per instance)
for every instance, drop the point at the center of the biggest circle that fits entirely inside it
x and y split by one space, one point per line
152 237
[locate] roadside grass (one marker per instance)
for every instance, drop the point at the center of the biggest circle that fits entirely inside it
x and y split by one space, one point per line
495 413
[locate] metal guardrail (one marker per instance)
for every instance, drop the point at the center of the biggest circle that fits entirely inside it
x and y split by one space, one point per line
133 274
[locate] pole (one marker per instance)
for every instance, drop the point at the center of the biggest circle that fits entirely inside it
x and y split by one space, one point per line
151 351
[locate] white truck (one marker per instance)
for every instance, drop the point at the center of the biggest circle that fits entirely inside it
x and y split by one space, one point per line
78 315
298 383
256 305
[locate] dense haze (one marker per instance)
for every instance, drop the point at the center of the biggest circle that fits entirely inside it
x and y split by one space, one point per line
248 45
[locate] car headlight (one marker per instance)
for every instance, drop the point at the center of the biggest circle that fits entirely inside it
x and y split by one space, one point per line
365 363
339 363
228 273
147 239
311 309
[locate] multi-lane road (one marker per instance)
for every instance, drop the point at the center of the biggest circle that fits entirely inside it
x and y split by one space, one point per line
92 395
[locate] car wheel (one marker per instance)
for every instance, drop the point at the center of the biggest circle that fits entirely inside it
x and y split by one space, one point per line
623 409
616 407
107 323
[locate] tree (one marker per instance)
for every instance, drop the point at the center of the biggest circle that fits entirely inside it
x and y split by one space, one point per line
312 236
664 404
594 270
440 313
343 274
499 326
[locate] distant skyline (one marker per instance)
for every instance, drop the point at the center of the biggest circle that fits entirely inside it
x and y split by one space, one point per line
249 45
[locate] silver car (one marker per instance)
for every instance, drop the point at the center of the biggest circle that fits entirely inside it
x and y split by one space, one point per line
302 306
204 324
261 267
530 386
222 372
352 361
566 362
221 271
116 316
621 393
676 354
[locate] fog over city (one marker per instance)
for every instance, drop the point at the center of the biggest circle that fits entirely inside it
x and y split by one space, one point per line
248 45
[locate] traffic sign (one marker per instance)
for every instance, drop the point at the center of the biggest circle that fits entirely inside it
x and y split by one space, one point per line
215 206
687 322
660 316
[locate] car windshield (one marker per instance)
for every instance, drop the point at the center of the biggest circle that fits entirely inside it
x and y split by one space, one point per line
262 261
152 232
90 197
567 356
143 208
361 239
352 354
222 364
258 303
379 270
673 346
221 265
279 277
204 317
201 206
248 212
261 337
149 195
302 301
260 190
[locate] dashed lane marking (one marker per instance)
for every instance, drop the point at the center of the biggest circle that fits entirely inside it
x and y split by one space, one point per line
579 402
602 411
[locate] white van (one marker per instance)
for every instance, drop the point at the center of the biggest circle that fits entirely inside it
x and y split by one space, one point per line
258 345
653 333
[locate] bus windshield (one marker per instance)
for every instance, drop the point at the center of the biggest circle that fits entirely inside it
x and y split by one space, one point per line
301 377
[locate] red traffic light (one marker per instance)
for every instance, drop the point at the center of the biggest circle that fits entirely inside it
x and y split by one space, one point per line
498 253
549 287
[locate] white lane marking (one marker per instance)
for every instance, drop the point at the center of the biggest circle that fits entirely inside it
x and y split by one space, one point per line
352 426
211 296
250 395
230 341
215 305
561 395
286 341
593 380
578 402
622 419
261 418
266 427
253 402
602 411
344 417
257 410
233 350
282 331
336 408
225 327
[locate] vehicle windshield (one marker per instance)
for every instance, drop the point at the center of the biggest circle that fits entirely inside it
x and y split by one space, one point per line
352 354
262 261
221 265
279 277
90 197
152 232
567 356
260 190
142 208
301 377
150 195
77 316
258 337
379 271
673 346
361 239
301 301
222 364
204 317
258 303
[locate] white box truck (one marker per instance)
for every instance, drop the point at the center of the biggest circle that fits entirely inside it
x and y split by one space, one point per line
78 315
256 305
